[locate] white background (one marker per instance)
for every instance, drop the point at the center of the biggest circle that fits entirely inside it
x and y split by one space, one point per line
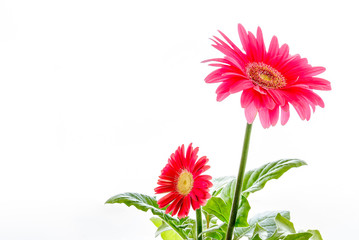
96 95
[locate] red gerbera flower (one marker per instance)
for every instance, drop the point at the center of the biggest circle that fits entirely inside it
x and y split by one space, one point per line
181 178
270 79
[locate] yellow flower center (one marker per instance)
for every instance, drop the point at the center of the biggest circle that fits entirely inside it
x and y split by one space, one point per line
185 183
265 76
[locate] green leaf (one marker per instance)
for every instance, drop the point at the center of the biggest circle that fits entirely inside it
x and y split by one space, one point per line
266 220
227 194
316 235
145 203
256 237
188 226
256 179
215 235
141 202
298 236
240 232
284 228
156 221
259 233
216 232
283 224
216 228
218 208
220 183
163 228
242 214
166 232
222 210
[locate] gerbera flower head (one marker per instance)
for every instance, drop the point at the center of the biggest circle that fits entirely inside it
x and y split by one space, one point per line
183 182
270 79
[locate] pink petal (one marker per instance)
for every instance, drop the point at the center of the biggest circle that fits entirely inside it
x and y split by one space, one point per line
253 51
173 205
250 113
164 201
314 71
277 96
268 101
284 114
193 159
264 117
235 60
203 177
195 203
274 115
183 212
273 49
316 83
241 85
246 98
203 184
163 189
199 165
222 96
282 54
260 89
178 206
302 109
244 37
260 45
240 54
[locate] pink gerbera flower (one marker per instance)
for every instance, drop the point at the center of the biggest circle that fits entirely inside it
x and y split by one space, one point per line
270 79
181 178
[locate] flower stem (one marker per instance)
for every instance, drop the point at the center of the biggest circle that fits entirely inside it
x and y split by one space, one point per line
239 183
207 220
199 223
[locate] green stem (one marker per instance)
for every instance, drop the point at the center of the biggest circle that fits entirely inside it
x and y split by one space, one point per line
207 220
199 223
239 183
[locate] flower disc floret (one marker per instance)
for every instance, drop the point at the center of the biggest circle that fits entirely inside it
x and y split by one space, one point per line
185 183
265 76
